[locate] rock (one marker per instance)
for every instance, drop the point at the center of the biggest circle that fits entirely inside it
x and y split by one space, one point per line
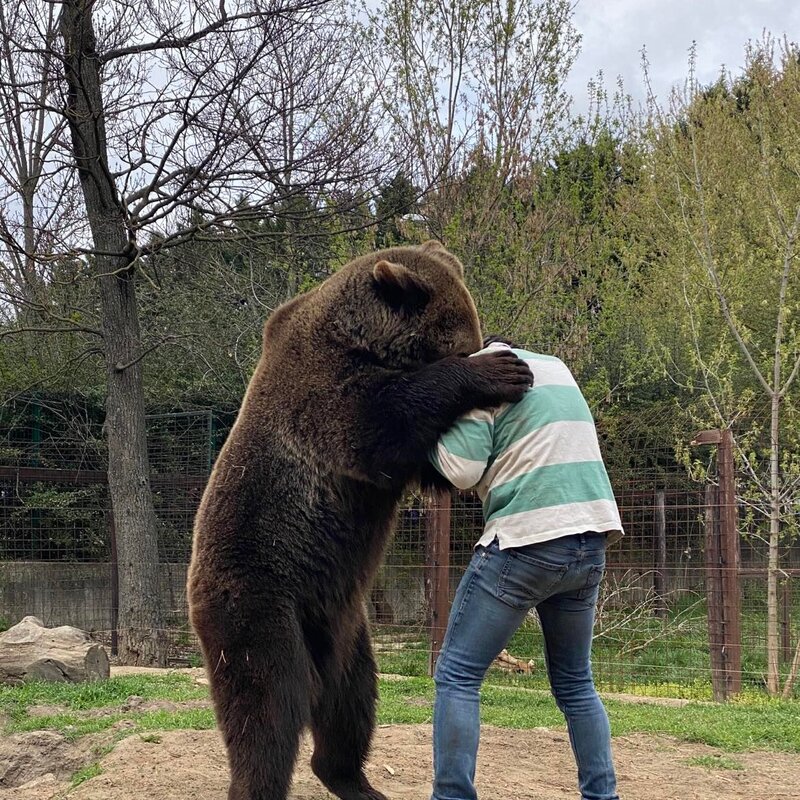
48 780
29 651
133 702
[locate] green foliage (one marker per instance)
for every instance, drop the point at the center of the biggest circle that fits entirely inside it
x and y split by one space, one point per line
719 193
396 199
55 523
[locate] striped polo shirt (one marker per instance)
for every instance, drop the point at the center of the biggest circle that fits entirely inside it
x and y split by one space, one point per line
536 464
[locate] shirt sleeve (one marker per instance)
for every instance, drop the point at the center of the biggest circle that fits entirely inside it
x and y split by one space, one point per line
463 452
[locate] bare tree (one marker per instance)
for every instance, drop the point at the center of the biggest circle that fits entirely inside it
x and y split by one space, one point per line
36 214
184 119
472 81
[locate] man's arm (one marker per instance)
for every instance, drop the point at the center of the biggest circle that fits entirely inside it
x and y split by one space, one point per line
411 411
463 452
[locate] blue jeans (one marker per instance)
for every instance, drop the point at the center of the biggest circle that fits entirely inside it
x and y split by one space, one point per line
560 579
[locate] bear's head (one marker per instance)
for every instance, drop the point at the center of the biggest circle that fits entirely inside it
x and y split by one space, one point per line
404 306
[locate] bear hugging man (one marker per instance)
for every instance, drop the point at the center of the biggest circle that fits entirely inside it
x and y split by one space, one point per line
356 381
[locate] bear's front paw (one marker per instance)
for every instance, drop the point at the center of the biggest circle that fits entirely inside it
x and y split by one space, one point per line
503 377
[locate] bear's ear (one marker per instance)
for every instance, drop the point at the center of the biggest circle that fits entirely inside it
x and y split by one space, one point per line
399 286
432 244
436 248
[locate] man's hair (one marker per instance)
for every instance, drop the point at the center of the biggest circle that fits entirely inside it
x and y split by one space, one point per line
494 338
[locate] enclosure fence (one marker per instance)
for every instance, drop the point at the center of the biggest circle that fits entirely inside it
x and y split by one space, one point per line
682 608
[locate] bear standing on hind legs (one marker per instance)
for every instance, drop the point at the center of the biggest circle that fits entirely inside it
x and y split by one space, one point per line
356 381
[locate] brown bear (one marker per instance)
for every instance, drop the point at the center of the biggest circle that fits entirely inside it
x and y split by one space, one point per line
357 379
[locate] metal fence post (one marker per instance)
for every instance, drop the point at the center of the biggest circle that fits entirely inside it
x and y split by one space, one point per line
437 574
659 573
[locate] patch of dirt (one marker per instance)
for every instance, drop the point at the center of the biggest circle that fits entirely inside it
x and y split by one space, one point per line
26 757
646 700
47 711
197 673
46 786
524 765
141 706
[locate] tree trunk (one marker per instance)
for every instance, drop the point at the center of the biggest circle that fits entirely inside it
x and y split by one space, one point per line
142 636
773 641
794 671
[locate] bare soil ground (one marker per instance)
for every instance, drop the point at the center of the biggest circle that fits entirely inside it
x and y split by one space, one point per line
514 765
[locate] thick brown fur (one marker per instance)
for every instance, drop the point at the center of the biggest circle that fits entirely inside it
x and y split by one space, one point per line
357 380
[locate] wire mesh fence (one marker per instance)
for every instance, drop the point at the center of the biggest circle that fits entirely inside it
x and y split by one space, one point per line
666 622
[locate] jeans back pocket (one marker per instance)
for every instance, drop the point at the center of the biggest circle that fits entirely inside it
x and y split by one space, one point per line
526 580
593 578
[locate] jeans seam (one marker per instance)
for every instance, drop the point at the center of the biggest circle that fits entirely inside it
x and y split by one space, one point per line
589 586
460 611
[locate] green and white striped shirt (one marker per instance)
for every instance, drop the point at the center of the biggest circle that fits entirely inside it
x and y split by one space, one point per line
536 464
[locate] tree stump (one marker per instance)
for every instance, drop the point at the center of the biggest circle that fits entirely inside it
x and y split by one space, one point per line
29 651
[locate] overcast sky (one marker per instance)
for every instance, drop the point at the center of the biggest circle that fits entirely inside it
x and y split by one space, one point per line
614 32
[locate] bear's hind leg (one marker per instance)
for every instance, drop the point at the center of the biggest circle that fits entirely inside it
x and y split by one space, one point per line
261 700
343 721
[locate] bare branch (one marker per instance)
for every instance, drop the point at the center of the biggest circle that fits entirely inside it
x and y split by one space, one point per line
167 42
73 329
788 257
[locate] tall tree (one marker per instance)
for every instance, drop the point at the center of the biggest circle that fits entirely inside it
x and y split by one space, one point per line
38 195
473 76
174 114
721 211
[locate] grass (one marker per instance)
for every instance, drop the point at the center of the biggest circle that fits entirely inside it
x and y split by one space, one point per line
85 773
15 701
100 694
749 724
73 726
648 656
715 762
734 727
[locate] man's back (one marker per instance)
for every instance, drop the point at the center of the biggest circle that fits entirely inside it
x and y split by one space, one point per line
536 464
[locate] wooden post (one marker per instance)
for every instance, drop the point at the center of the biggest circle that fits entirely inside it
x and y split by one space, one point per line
723 565
730 564
660 567
437 579
714 596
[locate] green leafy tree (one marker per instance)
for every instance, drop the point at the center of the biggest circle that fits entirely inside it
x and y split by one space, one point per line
719 216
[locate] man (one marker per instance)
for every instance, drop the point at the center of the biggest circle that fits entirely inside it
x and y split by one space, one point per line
549 513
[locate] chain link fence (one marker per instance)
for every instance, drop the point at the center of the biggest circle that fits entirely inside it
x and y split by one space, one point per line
664 624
